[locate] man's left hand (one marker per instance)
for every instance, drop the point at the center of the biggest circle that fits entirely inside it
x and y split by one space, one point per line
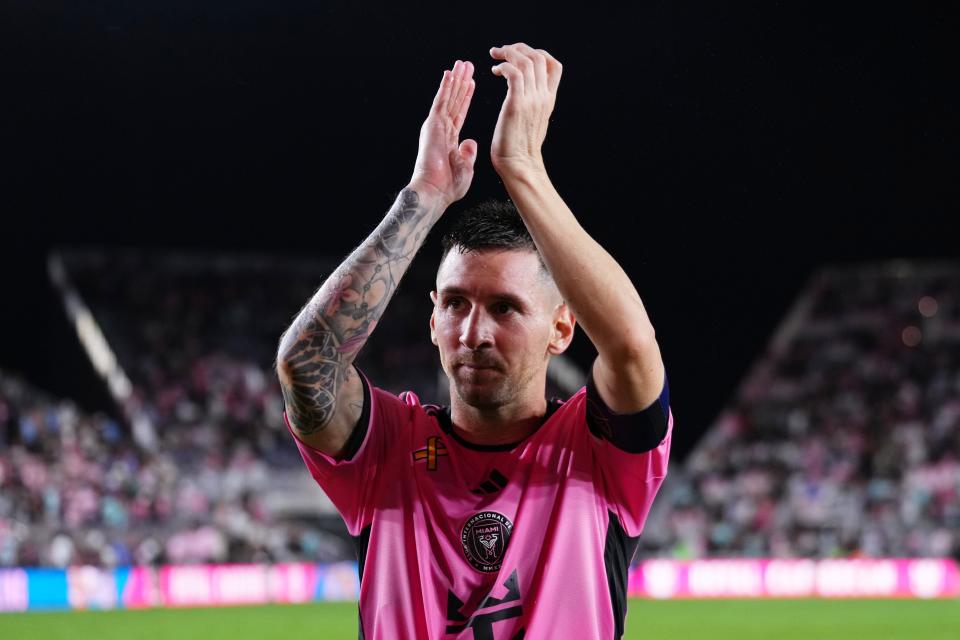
533 76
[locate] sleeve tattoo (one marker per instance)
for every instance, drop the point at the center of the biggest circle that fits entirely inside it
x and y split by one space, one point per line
319 347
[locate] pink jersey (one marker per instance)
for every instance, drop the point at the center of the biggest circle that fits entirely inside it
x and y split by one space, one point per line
457 540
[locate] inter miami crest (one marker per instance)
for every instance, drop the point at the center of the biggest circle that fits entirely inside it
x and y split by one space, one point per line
484 538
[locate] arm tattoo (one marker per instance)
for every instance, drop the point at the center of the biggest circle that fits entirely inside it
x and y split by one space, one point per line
318 348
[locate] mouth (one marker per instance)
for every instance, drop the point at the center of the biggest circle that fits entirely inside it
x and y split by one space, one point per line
484 363
476 367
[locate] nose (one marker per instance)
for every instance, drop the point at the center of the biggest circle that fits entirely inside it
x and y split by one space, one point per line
475 331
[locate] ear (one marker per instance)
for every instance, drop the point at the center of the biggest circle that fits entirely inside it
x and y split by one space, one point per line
562 329
433 319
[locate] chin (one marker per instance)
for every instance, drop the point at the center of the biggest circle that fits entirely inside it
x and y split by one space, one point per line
479 398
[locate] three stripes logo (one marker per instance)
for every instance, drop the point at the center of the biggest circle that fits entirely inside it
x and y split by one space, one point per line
494 483
431 452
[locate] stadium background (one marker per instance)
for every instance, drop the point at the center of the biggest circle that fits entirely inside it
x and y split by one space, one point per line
723 155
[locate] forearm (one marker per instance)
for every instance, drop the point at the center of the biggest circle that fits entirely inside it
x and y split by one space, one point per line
595 287
315 353
629 370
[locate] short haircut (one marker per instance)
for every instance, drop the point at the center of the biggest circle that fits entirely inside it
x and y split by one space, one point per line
492 224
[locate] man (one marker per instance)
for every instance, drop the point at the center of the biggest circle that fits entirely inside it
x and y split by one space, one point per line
502 516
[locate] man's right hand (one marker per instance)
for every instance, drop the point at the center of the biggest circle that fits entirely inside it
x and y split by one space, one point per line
444 165
322 392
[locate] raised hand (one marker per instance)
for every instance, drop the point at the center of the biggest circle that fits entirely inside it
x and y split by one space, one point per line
533 76
444 165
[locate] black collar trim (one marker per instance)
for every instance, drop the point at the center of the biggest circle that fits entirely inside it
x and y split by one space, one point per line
442 414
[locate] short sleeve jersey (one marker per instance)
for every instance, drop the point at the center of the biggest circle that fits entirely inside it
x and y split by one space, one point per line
463 541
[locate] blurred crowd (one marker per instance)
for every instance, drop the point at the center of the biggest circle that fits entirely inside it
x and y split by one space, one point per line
197 338
845 438
843 441
75 489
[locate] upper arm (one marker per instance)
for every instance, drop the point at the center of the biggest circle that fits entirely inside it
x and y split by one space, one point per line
323 403
631 380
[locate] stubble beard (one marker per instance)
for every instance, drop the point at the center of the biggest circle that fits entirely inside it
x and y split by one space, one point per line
493 396
487 397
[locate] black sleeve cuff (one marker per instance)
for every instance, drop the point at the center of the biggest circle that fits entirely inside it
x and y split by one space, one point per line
363 423
631 432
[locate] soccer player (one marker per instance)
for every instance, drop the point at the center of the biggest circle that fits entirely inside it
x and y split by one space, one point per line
501 516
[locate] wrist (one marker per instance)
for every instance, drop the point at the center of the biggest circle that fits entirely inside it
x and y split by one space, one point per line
527 168
429 195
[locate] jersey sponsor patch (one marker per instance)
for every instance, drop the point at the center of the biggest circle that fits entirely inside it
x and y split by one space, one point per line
434 448
484 537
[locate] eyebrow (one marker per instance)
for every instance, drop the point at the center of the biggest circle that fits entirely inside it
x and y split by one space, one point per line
502 295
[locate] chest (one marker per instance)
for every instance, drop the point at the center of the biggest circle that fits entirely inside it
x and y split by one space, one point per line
441 467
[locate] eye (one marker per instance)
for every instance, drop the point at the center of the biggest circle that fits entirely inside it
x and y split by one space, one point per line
453 303
502 308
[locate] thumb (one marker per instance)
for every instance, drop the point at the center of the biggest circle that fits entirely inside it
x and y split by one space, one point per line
468 151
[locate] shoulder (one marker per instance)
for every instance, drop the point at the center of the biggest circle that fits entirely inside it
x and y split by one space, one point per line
385 415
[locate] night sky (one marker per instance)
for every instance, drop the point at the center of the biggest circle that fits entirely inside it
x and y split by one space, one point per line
720 154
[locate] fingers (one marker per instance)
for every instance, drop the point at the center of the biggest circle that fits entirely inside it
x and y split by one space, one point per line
443 93
517 69
515 81
463 87
554 70
539 64
451 87
462 71
461 114
456 90
539 69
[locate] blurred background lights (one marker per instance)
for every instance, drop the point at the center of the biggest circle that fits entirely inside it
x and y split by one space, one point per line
927 306
911 336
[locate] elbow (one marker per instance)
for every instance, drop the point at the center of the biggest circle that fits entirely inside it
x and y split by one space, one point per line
630 373
290 354
638 346
284 350
283 365
279 364
638 365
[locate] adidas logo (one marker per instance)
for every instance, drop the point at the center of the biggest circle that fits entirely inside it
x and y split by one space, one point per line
494 483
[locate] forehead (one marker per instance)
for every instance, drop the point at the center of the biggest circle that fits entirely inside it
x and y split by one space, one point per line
492 271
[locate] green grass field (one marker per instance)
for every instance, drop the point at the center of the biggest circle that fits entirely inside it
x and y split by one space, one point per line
674 620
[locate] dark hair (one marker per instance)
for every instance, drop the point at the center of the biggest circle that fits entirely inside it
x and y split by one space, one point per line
492 224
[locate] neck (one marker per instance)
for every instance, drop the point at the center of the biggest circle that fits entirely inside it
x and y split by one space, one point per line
499 425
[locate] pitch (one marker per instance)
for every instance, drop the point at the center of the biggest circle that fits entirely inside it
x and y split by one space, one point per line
647 620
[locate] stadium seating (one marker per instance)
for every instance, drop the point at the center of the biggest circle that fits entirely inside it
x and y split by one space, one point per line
844 440
75 489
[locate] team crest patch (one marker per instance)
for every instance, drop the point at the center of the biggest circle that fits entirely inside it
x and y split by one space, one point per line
484 538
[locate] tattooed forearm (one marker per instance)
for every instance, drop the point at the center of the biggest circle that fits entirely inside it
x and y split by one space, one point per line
316 351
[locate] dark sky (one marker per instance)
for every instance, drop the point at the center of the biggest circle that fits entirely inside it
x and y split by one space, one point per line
721 154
